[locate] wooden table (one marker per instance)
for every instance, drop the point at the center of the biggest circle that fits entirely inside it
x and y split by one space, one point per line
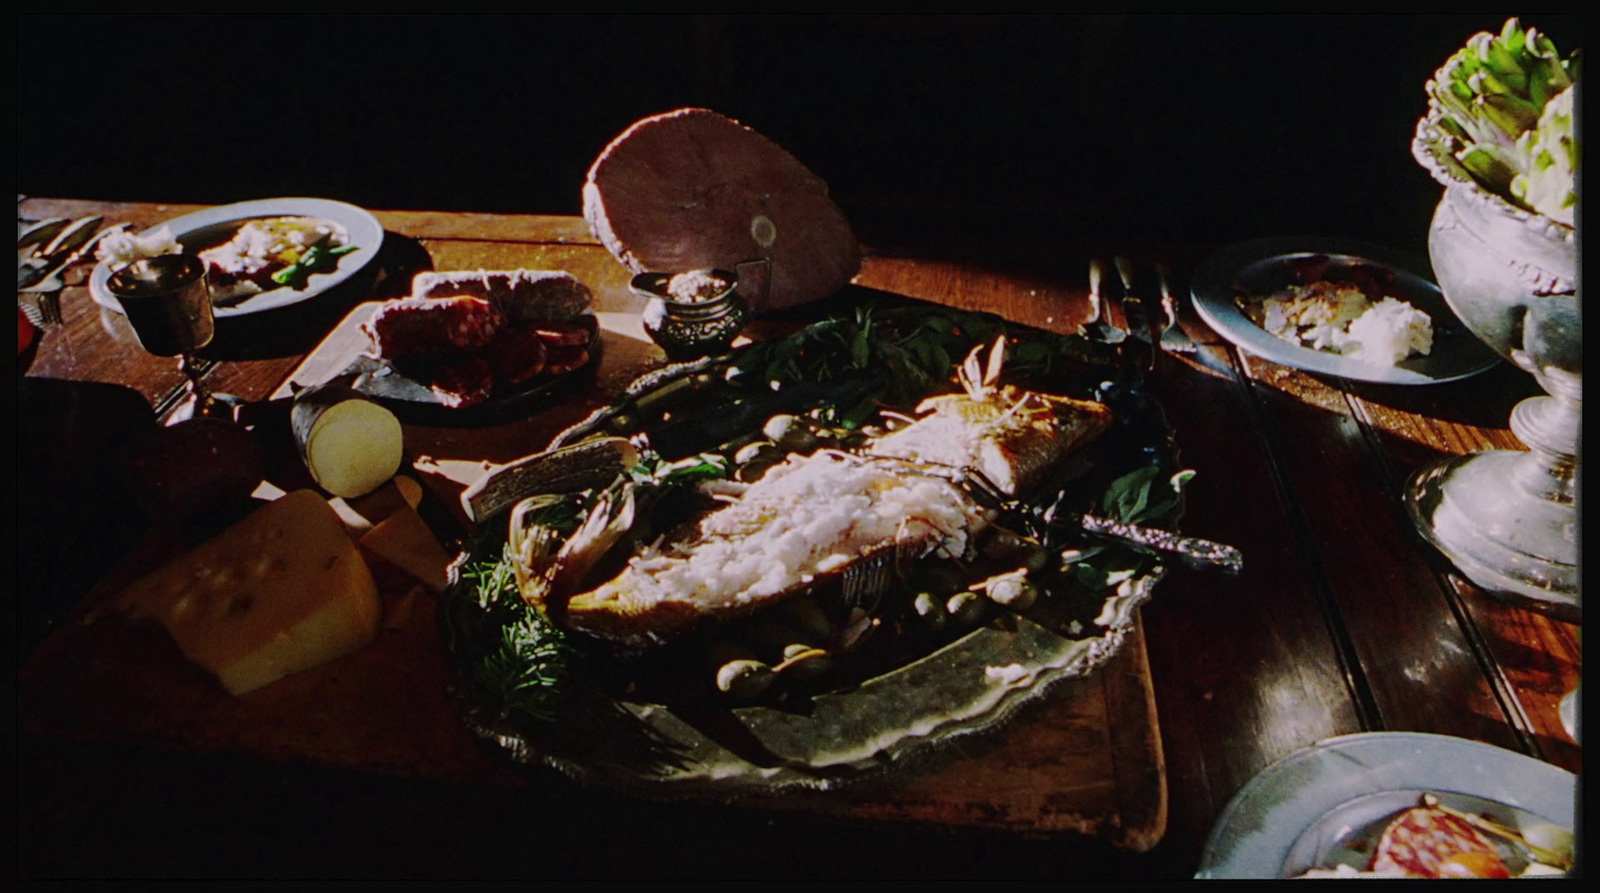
1341 622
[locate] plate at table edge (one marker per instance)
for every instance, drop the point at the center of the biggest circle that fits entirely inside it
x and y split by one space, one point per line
1259 828
363 228
1456 354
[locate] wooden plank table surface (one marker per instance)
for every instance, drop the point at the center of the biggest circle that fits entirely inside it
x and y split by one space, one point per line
1341 622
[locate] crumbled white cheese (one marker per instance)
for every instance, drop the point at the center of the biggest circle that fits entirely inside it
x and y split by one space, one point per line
120 247
1338 318
1389 332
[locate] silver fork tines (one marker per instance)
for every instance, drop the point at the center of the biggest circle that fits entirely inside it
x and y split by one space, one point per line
1098 326
1173 337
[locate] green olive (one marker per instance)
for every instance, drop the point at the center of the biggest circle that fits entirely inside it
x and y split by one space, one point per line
792 433
744 679
965 608
804 663
805 616
1012 590
930 608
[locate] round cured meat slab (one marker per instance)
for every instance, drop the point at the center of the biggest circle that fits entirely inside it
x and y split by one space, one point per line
691 189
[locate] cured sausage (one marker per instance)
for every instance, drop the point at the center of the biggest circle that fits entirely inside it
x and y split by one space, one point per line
414 327
520 295
517 354
464 382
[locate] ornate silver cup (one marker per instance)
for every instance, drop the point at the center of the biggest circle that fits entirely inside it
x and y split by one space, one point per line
1508 519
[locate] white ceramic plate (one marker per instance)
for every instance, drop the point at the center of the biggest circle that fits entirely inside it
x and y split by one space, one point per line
211 226
1261 267
1279 823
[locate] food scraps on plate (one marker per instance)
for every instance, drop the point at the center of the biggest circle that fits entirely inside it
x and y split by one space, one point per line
1353 316
262 254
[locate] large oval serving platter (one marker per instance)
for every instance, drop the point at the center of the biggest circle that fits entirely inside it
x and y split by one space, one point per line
202 229
865 728
1261 267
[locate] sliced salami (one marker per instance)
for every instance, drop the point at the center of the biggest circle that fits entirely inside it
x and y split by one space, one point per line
562 334
415 327
1420 840
517 354
464 382
520 295
565 359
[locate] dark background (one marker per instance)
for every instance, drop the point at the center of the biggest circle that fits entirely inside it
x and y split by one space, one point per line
927 128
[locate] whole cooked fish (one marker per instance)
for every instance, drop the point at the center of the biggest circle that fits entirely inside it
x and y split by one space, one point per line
814 515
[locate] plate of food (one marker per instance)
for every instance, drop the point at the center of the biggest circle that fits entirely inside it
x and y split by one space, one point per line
1336 307
1398 804
812 560
469 347
260 255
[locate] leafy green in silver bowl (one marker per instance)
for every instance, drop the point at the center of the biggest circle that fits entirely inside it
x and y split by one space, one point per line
1503 106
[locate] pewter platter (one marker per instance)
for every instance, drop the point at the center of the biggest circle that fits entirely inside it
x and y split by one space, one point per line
864 727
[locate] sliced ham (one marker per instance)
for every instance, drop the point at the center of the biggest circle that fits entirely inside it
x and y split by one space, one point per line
692 189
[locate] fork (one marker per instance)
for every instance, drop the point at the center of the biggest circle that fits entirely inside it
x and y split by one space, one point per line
1098 326
1173 337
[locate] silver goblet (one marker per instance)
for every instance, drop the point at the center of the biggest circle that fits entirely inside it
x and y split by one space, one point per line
1508 519
168 303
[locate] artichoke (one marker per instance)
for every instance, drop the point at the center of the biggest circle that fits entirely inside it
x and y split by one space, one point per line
1506 103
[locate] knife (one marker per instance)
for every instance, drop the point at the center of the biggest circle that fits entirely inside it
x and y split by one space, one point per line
41 231
71 238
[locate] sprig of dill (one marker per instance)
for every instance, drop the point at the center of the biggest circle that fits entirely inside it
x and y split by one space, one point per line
523 668
918 347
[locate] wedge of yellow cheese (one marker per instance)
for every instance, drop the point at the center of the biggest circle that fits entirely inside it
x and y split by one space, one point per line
404 540
282 591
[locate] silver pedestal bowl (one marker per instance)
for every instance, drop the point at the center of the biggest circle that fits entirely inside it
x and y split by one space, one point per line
1508 519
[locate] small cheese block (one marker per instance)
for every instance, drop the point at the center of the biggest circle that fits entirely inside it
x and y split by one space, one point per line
282 591
404 540
349 443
